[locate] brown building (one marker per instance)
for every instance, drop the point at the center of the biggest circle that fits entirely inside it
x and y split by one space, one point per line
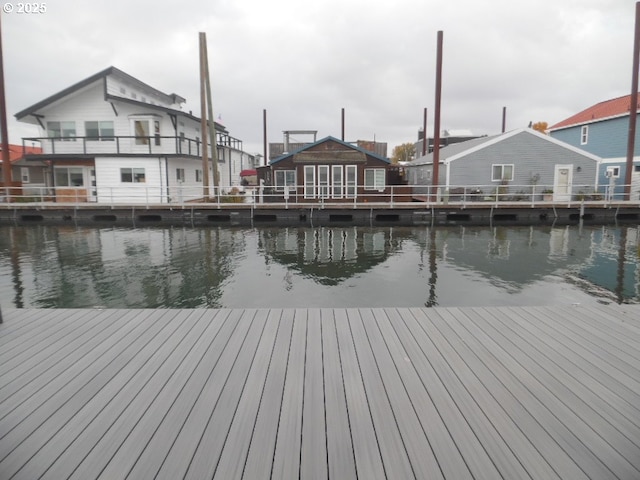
330 170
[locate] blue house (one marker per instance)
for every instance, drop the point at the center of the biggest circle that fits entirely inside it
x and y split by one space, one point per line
602 130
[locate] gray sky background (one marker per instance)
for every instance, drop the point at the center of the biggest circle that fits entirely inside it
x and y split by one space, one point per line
305 61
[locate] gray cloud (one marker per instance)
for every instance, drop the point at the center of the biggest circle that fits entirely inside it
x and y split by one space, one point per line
543 60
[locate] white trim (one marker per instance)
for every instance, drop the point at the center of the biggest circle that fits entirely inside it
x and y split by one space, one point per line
530 131
311 185
591 122
324 186
584 134
334 185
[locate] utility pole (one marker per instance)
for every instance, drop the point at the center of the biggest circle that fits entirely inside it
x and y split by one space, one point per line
633 107
436 126
212 123
203 120
4 131
425 137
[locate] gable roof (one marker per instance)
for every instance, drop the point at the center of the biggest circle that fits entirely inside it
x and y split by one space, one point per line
615 107
327 139
462 149
100 76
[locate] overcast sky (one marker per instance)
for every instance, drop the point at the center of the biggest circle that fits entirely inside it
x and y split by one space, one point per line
303 62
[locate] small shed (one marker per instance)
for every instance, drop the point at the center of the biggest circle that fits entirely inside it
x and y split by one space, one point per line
514 164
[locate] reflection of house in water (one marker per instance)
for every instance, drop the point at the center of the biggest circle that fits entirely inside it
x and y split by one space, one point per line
330 255
511 257
613 265
123 267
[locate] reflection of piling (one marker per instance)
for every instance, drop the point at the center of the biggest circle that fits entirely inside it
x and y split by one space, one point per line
1 314
622 251
433 270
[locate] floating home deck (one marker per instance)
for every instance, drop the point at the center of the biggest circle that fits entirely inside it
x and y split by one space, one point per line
455 393
327 214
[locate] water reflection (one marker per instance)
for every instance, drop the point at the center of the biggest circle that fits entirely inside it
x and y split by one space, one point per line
330 255
349 266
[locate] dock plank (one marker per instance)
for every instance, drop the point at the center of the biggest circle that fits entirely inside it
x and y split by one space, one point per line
340 455
452 393
286 458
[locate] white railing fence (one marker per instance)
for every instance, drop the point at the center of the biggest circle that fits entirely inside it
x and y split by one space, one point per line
289 196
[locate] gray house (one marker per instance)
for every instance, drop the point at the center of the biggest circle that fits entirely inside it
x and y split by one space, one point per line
514 165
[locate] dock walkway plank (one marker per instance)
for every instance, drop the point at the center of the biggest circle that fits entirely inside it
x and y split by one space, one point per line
452 393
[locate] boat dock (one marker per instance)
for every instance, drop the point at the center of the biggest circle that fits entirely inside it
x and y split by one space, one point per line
322 214
449 393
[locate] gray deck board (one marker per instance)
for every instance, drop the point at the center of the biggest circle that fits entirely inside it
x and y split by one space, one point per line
567 430
263 440
286 458
340 457
452 393
109 432
313 450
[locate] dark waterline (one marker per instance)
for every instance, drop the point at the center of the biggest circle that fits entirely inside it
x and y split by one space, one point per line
69 267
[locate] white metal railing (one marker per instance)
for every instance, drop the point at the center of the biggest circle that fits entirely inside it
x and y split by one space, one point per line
189 194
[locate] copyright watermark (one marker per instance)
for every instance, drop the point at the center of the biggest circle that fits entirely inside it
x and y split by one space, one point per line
24 8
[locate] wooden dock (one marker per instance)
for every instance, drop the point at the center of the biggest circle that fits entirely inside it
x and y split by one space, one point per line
454 393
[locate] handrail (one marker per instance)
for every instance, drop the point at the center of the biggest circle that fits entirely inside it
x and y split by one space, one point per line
118 144
392 195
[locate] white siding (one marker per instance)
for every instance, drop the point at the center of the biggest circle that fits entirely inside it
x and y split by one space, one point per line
111 189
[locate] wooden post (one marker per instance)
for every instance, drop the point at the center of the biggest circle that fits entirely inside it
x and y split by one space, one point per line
436 122
264 135
212 123
425 137
4 131
504 119
203 121
633 107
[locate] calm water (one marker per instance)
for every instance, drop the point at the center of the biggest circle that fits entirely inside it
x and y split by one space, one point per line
288 267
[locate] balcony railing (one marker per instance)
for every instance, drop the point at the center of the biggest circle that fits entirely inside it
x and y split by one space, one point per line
116 145
354 195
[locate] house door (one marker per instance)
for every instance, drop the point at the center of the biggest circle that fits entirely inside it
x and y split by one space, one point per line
562 183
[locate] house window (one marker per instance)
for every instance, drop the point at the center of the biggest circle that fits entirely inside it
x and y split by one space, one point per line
141 129
501 173
351 172
336 181
24 174
64 130
156 131
132 175
123 90
99 130
199 176
374 178
309 181
323 181
584 134
613 172
180 175
285 178
69 177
